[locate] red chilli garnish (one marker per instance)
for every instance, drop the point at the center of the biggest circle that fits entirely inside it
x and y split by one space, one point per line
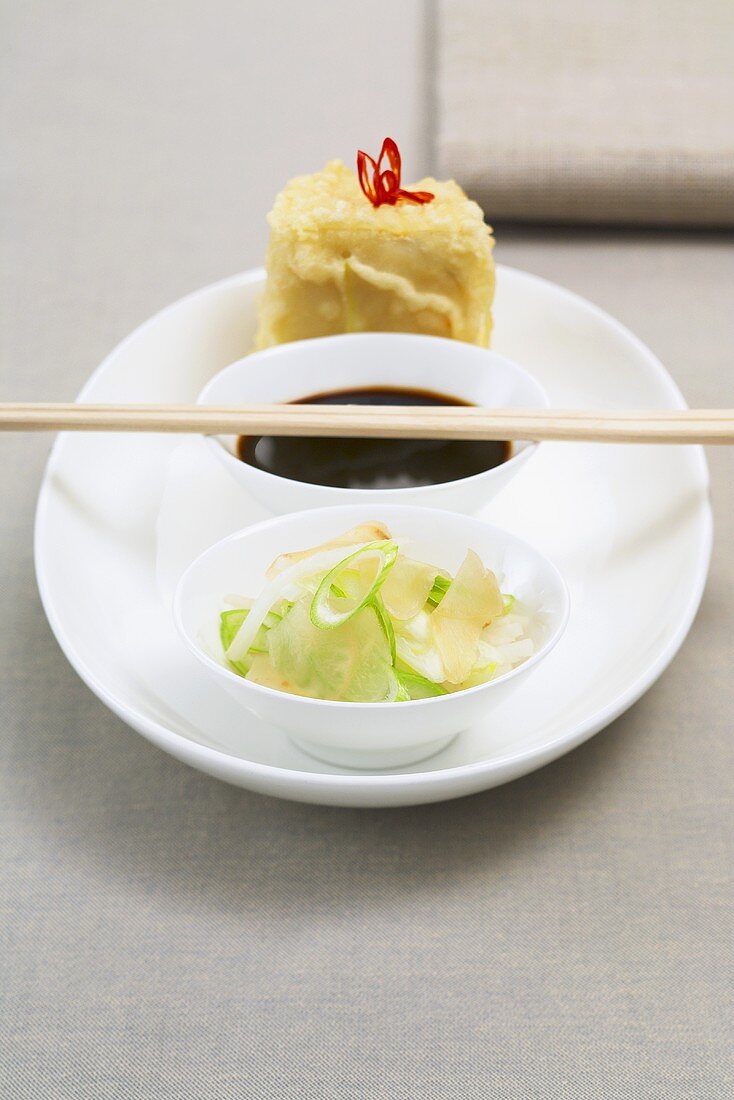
382 185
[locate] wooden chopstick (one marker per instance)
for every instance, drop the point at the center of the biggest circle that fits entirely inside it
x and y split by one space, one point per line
385 422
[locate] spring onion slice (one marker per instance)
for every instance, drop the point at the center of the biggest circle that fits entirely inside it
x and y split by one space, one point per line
229 624
386 623
401 694
275 590
231 621
325 610
396 692
417 686
439 590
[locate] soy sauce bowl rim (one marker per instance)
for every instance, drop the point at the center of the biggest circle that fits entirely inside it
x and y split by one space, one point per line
527 447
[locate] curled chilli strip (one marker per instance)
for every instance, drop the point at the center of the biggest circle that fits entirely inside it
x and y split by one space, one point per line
382 185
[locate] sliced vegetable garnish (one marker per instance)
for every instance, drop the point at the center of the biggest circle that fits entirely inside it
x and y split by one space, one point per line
440 587
472 600
357 620
386 623
371 564
480 676
281 587
351 663
230 623
417 686
402 694
425 660
408 586
261 671
360 535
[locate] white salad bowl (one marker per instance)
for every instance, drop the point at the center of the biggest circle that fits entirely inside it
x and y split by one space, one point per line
367 735
307 367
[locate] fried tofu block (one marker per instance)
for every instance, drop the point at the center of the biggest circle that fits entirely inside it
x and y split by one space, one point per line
336 263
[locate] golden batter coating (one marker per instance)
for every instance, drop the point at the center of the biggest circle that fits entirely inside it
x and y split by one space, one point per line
336 263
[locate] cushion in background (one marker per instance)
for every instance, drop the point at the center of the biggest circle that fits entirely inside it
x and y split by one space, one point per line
610 111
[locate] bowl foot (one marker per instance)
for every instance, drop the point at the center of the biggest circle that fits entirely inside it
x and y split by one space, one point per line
371 761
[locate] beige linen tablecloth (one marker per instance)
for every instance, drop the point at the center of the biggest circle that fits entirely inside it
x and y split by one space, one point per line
167 936
596 112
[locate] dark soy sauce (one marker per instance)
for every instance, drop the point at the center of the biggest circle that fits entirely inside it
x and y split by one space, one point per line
372 463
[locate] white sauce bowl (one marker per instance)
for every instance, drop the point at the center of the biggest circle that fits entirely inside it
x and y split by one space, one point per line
375 359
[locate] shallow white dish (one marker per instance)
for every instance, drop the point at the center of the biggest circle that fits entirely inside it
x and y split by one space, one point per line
368 735
627 526
357 360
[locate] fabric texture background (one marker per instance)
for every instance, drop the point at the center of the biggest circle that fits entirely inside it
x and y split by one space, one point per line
163 935
618 112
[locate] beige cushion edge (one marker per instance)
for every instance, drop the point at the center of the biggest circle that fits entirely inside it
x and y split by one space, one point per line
673 189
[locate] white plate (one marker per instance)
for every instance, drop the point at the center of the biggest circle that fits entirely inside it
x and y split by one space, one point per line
629 527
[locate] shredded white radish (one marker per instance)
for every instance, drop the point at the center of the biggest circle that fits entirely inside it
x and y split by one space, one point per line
518 651
424 660
499 633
